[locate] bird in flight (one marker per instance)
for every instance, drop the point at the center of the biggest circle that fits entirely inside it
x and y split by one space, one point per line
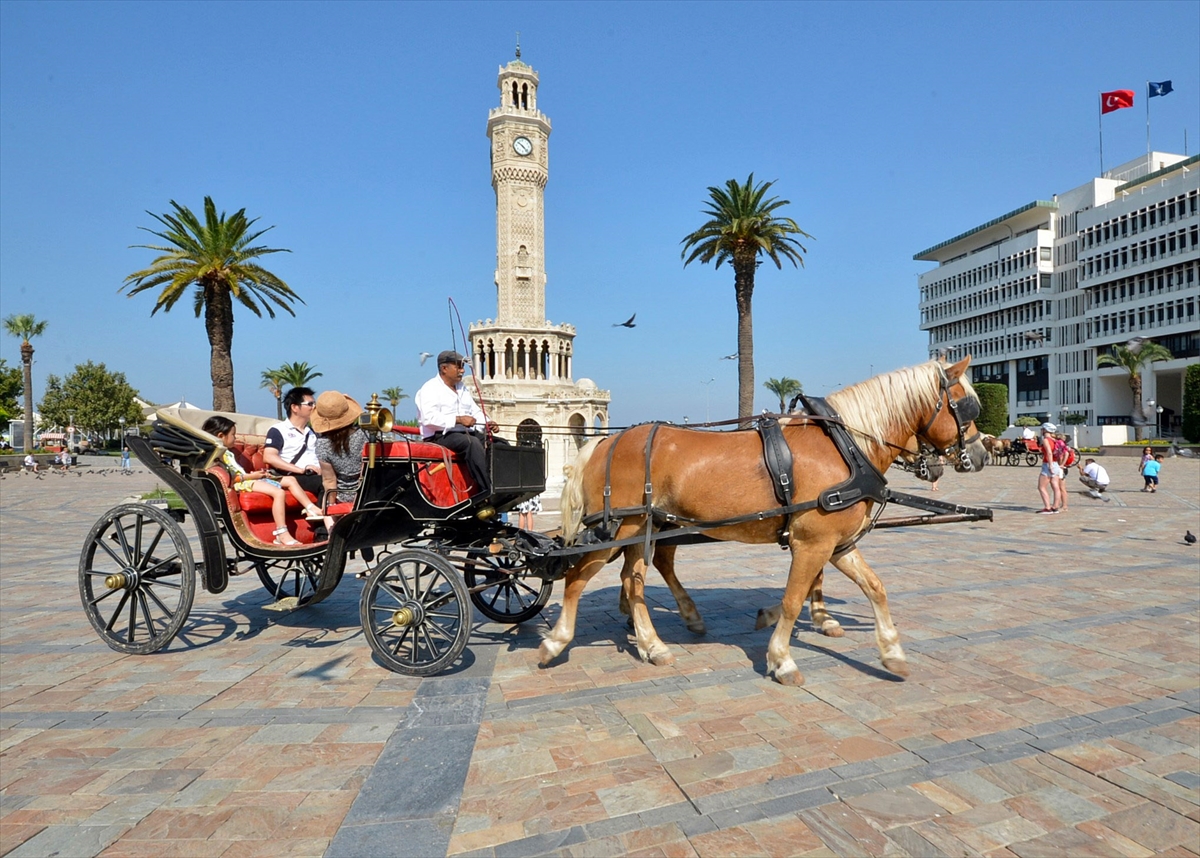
730 357
628 323
425 356
1135 344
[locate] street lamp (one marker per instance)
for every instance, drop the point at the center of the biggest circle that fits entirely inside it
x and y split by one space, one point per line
70 430
1063 422
707 391
1158 421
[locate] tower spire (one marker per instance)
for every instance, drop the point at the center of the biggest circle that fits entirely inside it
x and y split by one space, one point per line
518 44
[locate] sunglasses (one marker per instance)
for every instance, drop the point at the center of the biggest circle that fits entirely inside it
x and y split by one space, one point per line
309 404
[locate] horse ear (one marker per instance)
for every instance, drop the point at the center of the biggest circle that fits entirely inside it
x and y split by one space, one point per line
959 368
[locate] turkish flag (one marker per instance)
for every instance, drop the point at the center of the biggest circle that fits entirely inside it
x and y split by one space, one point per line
1115 100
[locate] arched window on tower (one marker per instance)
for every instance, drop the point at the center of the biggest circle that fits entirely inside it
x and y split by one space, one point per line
516 96
524 96
577 426
529 433
508 358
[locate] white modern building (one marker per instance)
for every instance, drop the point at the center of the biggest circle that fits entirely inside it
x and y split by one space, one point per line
524 362
1035 294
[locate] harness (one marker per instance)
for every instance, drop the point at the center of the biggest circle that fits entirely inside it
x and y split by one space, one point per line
865 482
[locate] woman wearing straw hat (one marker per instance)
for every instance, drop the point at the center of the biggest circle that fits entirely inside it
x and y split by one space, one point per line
339 443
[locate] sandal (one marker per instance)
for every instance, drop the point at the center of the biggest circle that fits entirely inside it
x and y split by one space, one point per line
281 534
312 512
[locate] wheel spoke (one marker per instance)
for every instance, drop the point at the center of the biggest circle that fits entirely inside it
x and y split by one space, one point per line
117 613
103 543
145 606
145 556
167 611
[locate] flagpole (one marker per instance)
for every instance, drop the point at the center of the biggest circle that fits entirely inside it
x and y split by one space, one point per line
1100 107
1147 127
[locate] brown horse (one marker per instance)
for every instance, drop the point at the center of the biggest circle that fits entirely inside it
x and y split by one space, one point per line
712 477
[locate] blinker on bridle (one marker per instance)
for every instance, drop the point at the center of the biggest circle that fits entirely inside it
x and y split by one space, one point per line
964 410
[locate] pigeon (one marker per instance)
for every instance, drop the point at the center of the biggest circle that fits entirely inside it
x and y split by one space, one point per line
1189 538
425 356
730 357
628 323
1135 344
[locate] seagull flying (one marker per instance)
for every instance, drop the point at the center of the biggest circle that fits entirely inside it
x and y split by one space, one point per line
628 323
1189 538
425 356
1135 344
730 357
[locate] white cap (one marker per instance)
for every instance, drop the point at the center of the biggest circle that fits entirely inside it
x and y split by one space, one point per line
1049 427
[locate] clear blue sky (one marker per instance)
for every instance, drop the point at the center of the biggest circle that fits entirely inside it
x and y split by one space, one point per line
358 131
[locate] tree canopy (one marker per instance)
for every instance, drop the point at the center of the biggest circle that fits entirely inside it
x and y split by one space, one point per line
10 389
216 257
96 398
785 388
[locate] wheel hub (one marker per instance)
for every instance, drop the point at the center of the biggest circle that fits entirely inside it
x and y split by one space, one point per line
127 580
411 614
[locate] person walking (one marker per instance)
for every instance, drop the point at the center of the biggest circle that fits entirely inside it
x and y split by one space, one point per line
1150 473
526 510
126 467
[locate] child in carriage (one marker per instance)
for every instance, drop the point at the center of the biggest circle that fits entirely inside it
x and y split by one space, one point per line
225 431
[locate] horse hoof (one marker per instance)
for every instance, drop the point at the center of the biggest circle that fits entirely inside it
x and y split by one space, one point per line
791 677
697 628
832 629
547 652
662 659
762 620
896 666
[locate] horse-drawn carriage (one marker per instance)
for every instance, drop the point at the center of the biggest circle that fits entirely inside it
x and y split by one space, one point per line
1014 451
443 550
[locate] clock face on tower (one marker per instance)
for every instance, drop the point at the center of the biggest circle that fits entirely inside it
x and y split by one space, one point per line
522 146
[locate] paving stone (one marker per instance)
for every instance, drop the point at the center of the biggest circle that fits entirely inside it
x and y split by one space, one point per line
69 840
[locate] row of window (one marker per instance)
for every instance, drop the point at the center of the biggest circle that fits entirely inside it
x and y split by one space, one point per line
1144 318
522 360
1026 314
1010 265
990 347
1076 361
1075 390
1180 241
1155 282
991 297
1167 211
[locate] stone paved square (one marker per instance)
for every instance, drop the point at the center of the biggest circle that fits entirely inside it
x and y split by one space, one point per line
1053 706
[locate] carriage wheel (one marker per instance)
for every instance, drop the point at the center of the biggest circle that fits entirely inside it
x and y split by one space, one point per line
1031 459
508 596
290 577
137 578
415 612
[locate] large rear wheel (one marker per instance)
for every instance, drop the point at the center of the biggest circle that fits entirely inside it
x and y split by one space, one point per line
137 578
290 580
415 612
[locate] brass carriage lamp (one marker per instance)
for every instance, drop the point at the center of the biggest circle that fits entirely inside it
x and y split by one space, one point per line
375 419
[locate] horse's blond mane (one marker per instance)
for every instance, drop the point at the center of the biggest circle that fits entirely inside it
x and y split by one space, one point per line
889 404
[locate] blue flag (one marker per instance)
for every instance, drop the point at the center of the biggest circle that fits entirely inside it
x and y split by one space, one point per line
1160 88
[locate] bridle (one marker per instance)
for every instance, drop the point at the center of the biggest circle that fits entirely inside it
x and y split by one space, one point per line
964 410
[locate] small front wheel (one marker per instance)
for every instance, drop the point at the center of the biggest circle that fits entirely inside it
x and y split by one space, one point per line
1031 459
137 578
502 592
415 613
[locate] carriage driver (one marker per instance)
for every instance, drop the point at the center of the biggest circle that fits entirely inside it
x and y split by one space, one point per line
449 416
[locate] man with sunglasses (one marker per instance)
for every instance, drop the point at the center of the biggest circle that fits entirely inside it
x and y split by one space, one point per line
449 416
291 446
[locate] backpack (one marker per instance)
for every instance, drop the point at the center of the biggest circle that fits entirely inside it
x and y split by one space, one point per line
1064 454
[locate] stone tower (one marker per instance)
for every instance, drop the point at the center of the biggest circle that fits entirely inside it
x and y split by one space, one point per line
522 361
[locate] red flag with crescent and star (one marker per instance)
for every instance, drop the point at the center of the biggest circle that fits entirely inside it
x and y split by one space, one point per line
1115 100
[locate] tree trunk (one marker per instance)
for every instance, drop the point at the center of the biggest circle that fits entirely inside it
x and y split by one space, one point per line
27 366
218 321
743 287
1135 385
279 405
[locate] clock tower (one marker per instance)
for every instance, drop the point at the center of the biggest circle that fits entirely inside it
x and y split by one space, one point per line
522 361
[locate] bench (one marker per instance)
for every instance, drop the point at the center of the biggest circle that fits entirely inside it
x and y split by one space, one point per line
251 511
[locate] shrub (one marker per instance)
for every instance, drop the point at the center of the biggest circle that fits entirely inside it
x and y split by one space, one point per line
1028 420
993 407
1191 404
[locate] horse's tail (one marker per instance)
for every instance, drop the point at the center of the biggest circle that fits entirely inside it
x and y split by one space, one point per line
572 495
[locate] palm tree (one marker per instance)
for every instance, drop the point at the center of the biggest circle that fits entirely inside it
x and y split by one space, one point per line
785 388
216 257
272 380
1132 358
297 374
26 326
394 395
742 227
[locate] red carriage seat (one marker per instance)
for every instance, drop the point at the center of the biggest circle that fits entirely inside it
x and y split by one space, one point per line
251 511
442 479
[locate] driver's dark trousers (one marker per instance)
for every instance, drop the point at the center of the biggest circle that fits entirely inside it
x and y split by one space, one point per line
471 452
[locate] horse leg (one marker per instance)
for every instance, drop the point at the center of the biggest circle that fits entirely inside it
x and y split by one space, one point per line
633 583
556 640
806 565
664 562
821 619
856 569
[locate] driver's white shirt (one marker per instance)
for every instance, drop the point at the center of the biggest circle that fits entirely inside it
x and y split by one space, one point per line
438 407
